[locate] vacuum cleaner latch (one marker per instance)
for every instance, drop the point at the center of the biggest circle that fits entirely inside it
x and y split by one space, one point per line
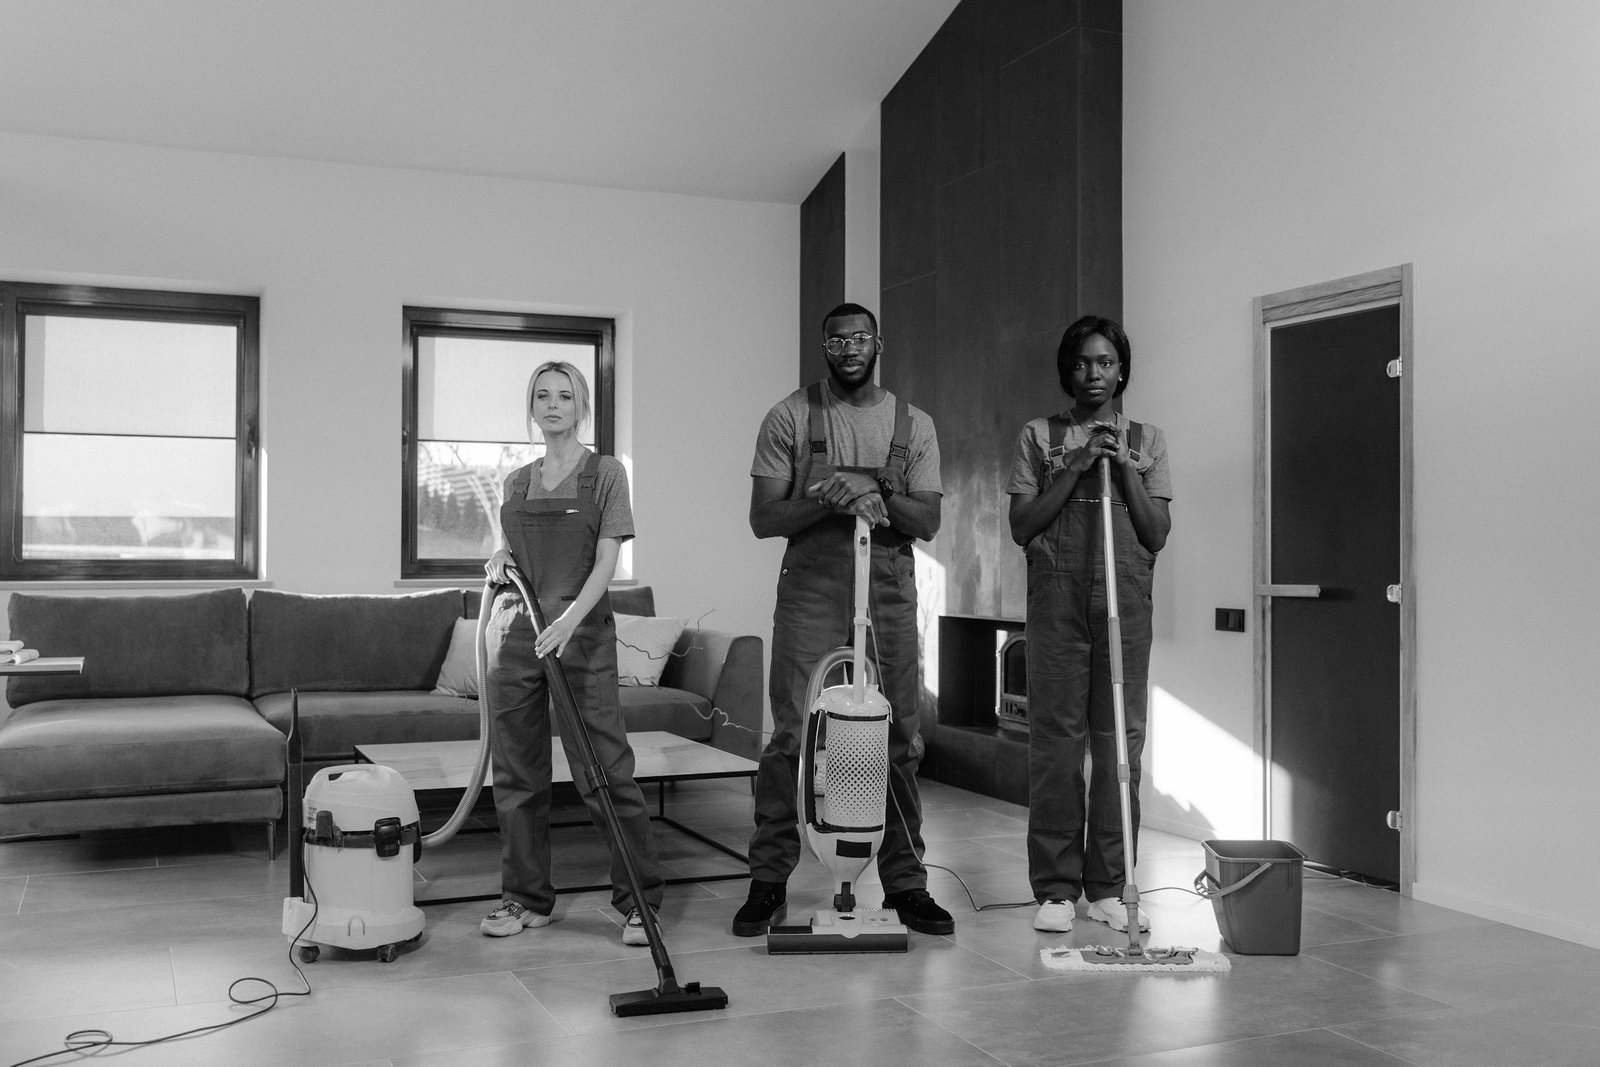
386 836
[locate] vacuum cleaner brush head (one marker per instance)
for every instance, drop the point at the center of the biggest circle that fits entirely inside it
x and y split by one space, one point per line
1104 959
692 997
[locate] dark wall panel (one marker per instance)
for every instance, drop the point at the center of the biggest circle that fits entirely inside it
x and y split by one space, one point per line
822 255
1001 223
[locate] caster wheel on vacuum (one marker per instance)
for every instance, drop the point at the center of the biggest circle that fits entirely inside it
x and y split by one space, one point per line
388 953
309 953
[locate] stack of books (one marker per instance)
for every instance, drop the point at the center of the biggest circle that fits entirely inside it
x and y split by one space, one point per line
12 652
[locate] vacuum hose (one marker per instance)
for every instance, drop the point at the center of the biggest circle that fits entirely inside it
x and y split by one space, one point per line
480 770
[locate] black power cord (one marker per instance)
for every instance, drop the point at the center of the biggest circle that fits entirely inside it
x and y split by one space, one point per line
92 1040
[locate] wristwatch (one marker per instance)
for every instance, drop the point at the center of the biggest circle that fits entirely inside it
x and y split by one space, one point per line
885 488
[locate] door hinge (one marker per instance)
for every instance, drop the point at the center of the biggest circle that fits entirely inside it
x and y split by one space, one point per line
1395 820
1394 368
1393 593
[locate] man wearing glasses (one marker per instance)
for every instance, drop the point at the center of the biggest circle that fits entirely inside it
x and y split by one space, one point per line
840 448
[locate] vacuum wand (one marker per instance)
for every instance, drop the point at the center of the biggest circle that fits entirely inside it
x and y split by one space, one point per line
1130 893
667 996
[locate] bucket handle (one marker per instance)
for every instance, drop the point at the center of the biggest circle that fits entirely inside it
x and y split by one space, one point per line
1209 888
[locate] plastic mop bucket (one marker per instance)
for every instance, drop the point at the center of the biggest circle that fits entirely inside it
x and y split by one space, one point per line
1254 888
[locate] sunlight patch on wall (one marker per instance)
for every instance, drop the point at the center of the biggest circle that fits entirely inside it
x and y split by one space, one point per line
930 574
1203 768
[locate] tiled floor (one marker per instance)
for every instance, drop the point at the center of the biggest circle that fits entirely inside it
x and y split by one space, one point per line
141 935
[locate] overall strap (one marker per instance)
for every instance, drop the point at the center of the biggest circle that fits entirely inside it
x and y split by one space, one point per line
817 434
1055 452
588 478
900 446
1135 436
520 477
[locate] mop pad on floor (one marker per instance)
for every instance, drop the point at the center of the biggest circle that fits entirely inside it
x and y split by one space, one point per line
1104 959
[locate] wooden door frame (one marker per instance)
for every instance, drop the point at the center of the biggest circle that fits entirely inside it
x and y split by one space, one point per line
1388 287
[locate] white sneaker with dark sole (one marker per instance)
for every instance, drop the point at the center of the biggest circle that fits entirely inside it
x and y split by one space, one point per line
633 932
1054 916
511 917
1114 914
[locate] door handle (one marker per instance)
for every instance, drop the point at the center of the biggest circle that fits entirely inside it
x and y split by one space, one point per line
1289 590
1393 593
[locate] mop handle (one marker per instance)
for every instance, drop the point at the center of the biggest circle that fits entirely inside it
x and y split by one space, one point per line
861 548
567 705
1113 620
1130 895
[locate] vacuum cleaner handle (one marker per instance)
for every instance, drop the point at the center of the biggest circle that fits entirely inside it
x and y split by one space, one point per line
572 725
861 552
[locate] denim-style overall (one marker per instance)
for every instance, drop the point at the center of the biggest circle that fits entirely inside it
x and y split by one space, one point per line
553 543
812 617
1069 686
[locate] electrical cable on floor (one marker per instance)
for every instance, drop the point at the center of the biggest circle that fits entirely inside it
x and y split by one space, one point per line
92 1040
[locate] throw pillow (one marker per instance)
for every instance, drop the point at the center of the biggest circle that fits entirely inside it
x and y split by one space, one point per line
643 644
459 675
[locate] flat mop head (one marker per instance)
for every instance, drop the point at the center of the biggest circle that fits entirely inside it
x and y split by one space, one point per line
1104 959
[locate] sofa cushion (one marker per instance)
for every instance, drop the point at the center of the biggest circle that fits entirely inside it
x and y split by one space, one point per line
349 643
130 746
633 600
134 646
459 675
625 600
676 711
332 724
644 645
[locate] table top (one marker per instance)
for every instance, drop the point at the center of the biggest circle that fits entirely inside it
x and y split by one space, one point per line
45 665
658 756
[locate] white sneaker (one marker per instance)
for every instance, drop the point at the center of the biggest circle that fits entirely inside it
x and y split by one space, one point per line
633 932
511 917
1114 914
1053 916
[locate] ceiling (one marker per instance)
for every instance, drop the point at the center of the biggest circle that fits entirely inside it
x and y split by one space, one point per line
738 99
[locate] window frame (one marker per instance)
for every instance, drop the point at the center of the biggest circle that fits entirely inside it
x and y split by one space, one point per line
498 325
18 300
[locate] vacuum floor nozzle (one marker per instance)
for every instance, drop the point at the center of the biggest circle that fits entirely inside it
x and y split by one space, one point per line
857 931
692 997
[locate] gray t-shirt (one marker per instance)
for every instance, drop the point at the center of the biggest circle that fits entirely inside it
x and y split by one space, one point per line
857 437
610 493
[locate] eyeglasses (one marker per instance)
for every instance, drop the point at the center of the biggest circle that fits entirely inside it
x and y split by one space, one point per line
837 345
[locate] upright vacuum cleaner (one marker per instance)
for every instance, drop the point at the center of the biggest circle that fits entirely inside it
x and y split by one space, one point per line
841 785
1137 958
667 996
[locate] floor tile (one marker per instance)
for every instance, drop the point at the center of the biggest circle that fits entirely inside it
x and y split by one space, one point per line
879 1032
1305 1048
334 1026
1487 966
180 914
1542 1036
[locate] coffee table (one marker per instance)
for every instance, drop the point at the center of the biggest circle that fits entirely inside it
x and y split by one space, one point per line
660 758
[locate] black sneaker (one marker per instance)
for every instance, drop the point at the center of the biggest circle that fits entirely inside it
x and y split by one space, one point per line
919 912
761 909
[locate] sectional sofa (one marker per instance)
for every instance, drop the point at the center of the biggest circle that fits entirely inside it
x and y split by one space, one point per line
181 712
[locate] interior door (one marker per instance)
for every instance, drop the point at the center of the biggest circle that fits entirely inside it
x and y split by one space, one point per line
1331 587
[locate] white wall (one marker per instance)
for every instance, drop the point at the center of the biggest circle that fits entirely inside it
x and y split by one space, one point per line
703 291
1270 144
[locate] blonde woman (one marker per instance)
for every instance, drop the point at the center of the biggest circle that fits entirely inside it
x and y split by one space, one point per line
562 523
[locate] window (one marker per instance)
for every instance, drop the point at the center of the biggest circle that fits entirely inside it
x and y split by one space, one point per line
127 433
466 426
